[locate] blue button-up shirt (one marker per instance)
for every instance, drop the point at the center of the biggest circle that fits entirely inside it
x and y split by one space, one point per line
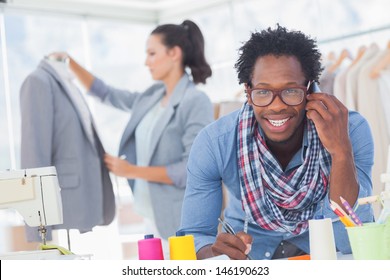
213 173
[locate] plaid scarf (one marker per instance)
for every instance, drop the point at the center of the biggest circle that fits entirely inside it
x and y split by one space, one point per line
271 198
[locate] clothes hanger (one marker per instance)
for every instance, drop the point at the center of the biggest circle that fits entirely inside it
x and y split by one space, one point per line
361 51
331 56
382 64
343 55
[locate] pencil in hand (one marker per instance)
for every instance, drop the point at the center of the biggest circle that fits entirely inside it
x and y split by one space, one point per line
229 229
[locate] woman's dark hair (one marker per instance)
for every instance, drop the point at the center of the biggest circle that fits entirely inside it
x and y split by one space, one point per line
279 42
188 37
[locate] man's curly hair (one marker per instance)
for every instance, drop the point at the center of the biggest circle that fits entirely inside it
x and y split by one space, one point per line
279 42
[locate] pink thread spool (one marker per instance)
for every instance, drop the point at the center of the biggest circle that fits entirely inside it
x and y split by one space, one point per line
150 248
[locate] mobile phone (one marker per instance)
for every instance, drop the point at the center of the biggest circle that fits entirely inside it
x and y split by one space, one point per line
314 87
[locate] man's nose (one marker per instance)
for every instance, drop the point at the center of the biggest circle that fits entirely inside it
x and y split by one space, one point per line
277 104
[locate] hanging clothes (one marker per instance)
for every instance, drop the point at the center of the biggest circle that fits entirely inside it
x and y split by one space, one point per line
353 74
327 79
340 85
341 67
384 91
369 104
57 130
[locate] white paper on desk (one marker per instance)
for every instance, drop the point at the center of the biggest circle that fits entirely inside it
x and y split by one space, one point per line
216 258
322 245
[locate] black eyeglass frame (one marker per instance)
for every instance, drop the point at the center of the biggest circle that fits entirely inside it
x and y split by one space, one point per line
278 92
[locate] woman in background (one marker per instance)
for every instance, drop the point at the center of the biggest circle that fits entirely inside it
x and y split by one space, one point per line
165 120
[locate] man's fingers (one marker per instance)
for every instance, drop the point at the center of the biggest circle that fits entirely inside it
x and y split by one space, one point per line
324 103
247 239
230 245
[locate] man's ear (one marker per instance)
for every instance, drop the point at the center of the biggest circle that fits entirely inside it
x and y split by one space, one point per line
247 94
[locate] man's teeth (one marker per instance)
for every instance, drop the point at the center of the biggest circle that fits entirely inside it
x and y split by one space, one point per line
278 122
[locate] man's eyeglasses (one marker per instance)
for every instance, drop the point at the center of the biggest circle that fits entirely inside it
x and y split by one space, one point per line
291 96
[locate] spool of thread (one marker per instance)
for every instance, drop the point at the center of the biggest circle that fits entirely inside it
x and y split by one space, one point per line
182 247
150 248
322 244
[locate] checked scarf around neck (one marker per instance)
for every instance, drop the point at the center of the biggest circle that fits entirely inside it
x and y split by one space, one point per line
270 198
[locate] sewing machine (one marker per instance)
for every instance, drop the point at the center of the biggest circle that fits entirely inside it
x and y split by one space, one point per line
35 194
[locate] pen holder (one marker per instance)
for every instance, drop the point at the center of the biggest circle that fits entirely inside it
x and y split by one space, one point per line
370 241
182 247
150 248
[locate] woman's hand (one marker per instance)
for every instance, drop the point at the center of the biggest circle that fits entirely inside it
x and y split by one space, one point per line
59 56
118 166
83 75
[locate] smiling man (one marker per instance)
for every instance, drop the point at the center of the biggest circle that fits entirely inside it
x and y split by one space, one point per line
282 157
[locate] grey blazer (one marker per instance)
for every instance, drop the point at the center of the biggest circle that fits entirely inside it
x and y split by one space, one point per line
188 111
54 134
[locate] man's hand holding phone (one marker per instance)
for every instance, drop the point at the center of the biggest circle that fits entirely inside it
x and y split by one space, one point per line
330 117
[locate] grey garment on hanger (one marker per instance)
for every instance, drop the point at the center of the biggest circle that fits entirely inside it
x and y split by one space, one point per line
327 80
57 130
339 85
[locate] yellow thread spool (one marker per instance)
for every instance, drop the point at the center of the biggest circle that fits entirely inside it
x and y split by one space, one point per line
182 247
